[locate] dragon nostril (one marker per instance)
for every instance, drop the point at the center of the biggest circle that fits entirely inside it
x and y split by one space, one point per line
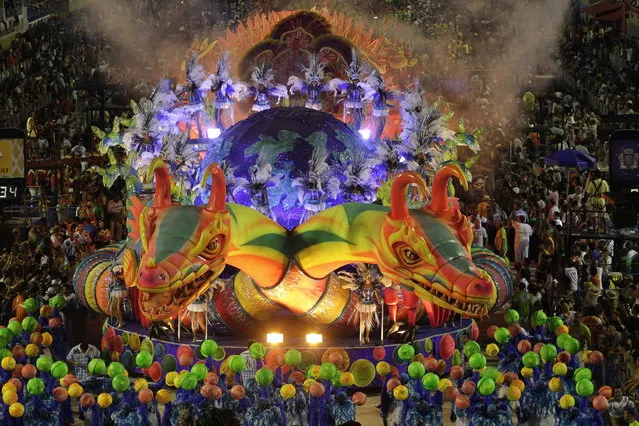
481 288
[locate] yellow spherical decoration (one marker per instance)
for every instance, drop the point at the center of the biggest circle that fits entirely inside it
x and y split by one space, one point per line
443 384
555 384
559 369
308 383
517 383
585 355
169 379
8 363
105 400
32 350
400 392
500 379
287 391
47 339
140 384
513 393
9 387
16 409
75 390
163 396
347 379
183 372
126 373
315 372
492 350
527 372
567 401
9 397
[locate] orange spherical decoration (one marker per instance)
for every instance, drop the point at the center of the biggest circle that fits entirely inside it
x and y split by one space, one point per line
595 358
29 371
605 391
468 387
238 392
55 322
514 329
431 364
204 390
600 403
509 377
316 390
87 400
145 395
562 329
359 398
335 358
17 371
451 393
16 382
524 346
68 380
490 331
36 338
446 346
211 379
564 357
298 377
456 372
60 394
215 393
462 402
537 347
392 384
18 352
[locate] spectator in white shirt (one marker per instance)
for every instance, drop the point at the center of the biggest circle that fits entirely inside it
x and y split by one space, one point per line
523 231
479 233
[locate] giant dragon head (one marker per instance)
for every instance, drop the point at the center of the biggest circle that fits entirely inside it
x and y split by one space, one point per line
184 248
428 250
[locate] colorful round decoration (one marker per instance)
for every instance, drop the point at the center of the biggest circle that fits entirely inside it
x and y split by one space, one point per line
160 351
147 345
364 372
446 346
125 338
169 363
342 356
428 345
128 360
134 342
220 354
275 358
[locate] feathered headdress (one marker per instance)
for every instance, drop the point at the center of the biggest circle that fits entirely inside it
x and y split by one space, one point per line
262 74
375 80
355 69
314 73
223 67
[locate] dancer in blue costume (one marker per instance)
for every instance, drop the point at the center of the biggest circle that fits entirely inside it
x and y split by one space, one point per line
312 86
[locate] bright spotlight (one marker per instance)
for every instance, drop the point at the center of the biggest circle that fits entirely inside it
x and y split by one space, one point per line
274 338
402 159
314 338
213 133
365 133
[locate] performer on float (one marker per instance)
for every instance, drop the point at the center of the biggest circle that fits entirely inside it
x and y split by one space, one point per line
117 294
312 86
364 281
263 88
379 96
353 90
225 91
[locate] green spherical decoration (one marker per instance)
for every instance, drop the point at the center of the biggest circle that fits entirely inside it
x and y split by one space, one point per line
57 302
115 369
548 352
208 348
477 361
3 342
562 339
585 387
43 363
582 373
59 369
502 335
200 371
29 324
97 366
555 322
490 372
257 350
470 348
571 346
143 359
511 316
457 359
327 371
35 386
264 377
430 381
4 352
539 318
120 382
15 327
416 370
406 352
237 363
31 305
486 386
530 359
293 358
189 381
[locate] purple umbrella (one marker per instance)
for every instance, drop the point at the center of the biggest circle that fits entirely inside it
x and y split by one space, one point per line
571 158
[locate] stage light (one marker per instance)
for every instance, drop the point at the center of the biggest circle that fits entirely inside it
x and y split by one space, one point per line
375 17
274 338
313 338
365 133
213 133
401 159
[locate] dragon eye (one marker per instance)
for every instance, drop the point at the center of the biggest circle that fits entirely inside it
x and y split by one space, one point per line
162 277
408 256
213 244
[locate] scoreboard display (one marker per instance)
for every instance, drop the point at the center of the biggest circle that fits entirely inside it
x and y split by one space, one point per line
12 166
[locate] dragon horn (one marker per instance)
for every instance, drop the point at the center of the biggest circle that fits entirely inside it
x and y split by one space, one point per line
399 208
439 199
217 199
160 170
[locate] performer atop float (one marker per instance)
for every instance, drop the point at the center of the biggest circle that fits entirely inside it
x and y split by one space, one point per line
312 86
262 88
225 91
353 90
379 96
